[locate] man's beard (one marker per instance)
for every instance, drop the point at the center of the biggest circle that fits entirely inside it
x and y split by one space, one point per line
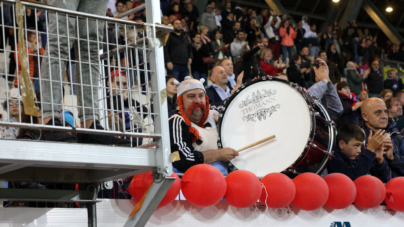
177 31
192 107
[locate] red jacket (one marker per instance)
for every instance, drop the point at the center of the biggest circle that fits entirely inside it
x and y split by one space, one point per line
287 40
270 69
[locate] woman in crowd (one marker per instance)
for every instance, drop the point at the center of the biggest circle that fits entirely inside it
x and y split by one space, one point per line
218 48
288 34
203 31
199 50
386 94
252 31
332 55
268 64
171 95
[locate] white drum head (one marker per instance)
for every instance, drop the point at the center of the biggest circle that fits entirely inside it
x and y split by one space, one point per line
260 110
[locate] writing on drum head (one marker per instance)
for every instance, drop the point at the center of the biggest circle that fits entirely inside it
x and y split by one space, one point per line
257 106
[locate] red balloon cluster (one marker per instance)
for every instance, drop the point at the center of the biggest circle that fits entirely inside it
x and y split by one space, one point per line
141 182
370 191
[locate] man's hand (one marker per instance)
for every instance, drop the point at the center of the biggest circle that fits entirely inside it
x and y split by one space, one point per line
357 106
322 73
388 148
170 66
366 73
226 154
227 45
379 155
375 141
189 61
240 79
283 65
303 70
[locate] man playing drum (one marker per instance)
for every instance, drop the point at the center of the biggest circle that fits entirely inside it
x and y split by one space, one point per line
193 133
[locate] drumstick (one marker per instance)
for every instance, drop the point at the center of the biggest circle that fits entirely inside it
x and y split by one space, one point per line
256 143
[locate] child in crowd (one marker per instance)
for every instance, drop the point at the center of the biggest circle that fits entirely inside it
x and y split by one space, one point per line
351 161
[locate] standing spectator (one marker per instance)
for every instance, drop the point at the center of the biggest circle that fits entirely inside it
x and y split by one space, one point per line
271 29
333 55
218 18
350 103
262 19
375 80
268 65
386 94
370 50
288 35
225 12
334 74
192 19
366 34
174 10
178 52
389 46
326 36
252 32
195 12
227 25
241 16
299 37
119 9
393 82
238 45
361 45
401 52
171 95
334 40
251 63
208 19
231 35
310 38
307 62
203 31
294 72
355 80
199 51
218 48
393 53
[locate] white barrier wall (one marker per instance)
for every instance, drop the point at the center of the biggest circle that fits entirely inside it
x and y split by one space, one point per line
113 213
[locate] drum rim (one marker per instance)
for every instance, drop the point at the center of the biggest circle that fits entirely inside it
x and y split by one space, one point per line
310 101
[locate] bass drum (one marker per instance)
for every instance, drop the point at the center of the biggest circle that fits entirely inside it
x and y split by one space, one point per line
304 132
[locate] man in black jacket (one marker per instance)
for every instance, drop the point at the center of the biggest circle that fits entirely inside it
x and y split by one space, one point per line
393 82
251 63
375 80
178 52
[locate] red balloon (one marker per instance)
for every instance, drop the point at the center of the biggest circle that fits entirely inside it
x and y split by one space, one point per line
203 185
395 194
278 191
311 191
370 191
342 191
243 189
141 182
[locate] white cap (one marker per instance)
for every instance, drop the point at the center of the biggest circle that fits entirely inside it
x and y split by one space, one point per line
189 84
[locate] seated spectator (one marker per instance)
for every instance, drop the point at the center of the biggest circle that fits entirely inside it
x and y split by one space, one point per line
288 34
219 90
374 118
218 48
208 18
386 94
307 63
370 50
393 55
171 95
294 72
350 103
227 64
268 65
251 65
355 80
395 109
350 160
272 31
333 55
199 51
34 51
335 75
375 80
238 45
15 114
393 82
363 95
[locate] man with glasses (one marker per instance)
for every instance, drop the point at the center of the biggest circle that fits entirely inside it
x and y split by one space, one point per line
375 80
